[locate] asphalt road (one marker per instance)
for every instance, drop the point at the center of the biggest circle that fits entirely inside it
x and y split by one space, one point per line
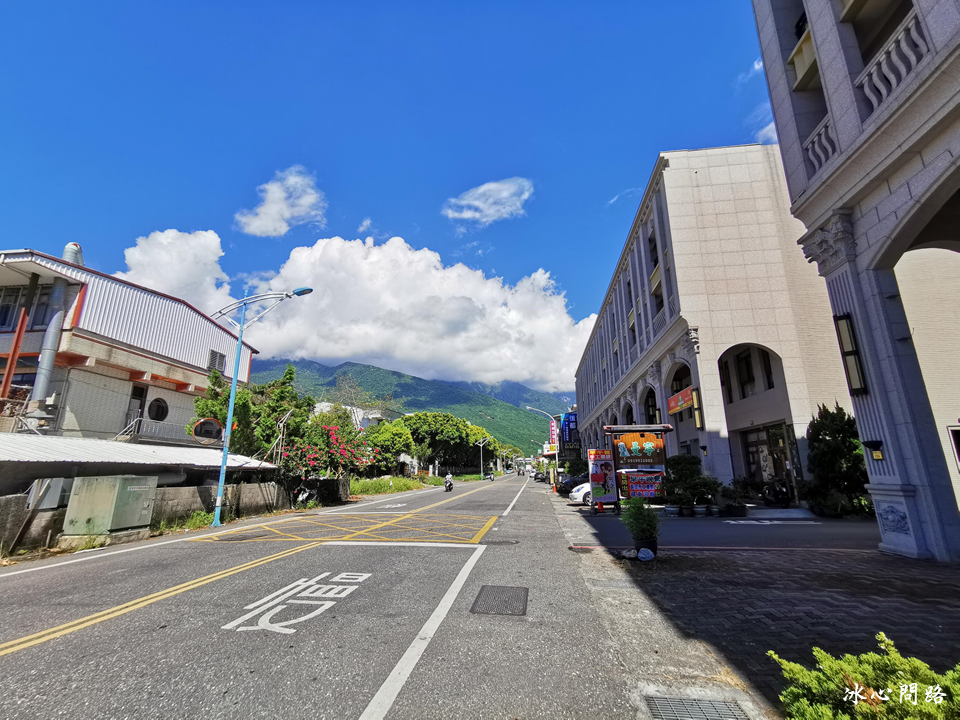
357 612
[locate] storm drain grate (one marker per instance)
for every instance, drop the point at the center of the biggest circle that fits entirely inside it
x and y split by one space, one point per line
241 536
501 600
673 708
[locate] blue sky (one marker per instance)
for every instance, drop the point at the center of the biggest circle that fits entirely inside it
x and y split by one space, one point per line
122 119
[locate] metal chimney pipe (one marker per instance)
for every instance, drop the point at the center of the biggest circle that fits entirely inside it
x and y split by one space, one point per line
51 338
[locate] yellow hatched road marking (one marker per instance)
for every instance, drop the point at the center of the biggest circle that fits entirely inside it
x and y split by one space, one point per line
13 646
483 530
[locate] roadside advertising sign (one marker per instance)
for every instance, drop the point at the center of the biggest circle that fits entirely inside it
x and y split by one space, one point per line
641 483
635 449
603 485
570 448
553 432
681 401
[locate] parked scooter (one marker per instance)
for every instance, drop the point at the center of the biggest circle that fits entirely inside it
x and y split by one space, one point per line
776 492
448 483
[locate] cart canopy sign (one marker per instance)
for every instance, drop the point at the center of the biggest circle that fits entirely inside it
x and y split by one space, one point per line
603 485
636 449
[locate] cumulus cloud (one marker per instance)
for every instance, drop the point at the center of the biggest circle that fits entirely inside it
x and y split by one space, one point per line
767 135
185 265
290 199
401 308
365 225
747 75
490 202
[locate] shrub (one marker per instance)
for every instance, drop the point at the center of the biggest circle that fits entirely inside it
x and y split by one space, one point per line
199 519
641 520
874 680
380 486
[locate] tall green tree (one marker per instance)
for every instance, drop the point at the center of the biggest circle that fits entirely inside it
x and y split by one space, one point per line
834 455
388 441
275 402
445 435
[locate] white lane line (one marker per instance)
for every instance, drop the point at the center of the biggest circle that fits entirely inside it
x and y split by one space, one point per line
507 511
387 694
97 555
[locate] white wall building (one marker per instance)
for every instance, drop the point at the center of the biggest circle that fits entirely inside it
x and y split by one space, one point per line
123 352
866 99
710 293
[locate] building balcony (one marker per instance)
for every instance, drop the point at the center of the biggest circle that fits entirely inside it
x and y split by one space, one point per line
821 145
660 322
804 62
655 280
145 430
889 69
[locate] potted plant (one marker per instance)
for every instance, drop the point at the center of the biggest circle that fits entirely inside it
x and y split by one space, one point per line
734 505
643 523
671 506
686 500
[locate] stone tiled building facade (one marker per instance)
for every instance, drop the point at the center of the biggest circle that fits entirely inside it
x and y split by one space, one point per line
711 293
866 98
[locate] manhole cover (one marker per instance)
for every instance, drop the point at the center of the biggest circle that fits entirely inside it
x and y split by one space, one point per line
501 600
500 542
672 708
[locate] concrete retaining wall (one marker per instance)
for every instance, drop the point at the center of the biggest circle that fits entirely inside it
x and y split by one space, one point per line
172 504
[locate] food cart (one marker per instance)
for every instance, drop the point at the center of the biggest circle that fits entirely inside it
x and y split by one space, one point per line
633 467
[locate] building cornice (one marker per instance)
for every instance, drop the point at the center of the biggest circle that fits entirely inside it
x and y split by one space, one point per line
653 184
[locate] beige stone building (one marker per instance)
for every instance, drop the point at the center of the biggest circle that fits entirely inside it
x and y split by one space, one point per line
866 99
711 296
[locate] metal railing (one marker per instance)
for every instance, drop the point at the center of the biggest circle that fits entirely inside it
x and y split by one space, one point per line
904 51
142 427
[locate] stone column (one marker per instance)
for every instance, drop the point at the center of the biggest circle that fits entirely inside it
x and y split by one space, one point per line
909 482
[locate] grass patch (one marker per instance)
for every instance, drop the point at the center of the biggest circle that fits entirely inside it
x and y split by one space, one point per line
91 541
382 486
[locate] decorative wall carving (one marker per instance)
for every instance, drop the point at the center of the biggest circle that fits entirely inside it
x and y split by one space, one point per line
690 342
654 374
833 245
893 520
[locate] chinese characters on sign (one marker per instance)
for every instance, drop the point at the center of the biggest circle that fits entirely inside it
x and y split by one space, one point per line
312 596
641 484
570 447
909 693
637 448
681 401
553 432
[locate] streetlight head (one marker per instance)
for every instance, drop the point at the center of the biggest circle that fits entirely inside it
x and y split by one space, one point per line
303 291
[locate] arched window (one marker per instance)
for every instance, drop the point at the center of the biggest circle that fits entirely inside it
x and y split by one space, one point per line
650 408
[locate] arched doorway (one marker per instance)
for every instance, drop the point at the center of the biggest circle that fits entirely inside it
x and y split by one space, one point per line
651 413
685 435
628 415
925 276
756 403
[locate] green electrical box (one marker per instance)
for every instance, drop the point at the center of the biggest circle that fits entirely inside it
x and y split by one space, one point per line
99 505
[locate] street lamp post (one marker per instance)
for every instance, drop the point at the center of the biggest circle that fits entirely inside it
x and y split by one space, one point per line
279 297
481 443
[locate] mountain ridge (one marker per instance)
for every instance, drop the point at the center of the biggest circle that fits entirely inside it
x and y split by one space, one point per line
476 402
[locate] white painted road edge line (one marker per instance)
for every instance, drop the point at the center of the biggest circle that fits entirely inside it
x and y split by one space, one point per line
507 511
387 694
98 555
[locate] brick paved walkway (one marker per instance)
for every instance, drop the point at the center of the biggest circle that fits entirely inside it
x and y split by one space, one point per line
748 602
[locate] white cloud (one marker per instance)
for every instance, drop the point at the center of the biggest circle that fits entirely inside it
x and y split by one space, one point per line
629 192
490 202
185 265
400 308
767 135
365 225
290 199
747 75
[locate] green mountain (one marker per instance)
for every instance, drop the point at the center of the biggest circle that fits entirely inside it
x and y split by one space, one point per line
504 420
520 395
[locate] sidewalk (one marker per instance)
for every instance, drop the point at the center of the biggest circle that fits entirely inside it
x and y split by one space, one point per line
738 604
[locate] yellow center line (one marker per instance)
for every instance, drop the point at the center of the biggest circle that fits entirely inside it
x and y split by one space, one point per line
13 646
412 513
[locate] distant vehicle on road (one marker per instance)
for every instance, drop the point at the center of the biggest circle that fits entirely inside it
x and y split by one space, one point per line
539 476
581 494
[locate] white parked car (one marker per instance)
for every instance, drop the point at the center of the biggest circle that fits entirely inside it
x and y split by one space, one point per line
581 493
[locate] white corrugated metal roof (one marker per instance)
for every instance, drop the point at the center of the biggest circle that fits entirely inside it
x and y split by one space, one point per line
22 448
134 315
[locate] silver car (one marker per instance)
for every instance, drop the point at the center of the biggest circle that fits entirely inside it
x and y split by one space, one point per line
581 493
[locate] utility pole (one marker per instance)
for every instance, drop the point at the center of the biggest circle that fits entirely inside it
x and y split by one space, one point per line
481 443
